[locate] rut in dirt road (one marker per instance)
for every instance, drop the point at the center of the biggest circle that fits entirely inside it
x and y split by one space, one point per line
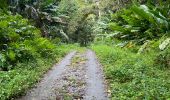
45 89
77 77
96 89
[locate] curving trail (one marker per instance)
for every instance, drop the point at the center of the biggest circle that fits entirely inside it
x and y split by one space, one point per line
78 76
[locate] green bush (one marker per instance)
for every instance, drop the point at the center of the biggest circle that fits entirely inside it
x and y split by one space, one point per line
163 59
21 42
14 30
42 46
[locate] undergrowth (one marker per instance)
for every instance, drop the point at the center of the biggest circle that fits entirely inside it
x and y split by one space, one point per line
24 75
133 76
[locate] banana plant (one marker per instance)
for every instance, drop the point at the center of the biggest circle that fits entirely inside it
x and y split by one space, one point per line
142 22
154 16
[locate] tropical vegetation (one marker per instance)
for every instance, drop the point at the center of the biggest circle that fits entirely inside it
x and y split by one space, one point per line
130 38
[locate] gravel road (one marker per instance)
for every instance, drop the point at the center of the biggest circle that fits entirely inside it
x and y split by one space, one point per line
78 76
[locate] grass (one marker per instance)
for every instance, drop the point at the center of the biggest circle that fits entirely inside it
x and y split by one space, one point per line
133 76
15 82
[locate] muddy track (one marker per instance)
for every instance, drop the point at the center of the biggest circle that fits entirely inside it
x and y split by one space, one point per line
77 77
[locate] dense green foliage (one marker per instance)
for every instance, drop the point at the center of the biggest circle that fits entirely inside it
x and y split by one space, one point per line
61 19
133 76
24 54
141 22
135 54
20 42
15 82
136 59
163 59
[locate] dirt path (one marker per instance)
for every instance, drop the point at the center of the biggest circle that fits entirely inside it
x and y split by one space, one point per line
77 77
45 89
72 82
95 82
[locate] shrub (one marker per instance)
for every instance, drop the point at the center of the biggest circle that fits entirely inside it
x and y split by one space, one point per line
44 47
21 42
163 59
